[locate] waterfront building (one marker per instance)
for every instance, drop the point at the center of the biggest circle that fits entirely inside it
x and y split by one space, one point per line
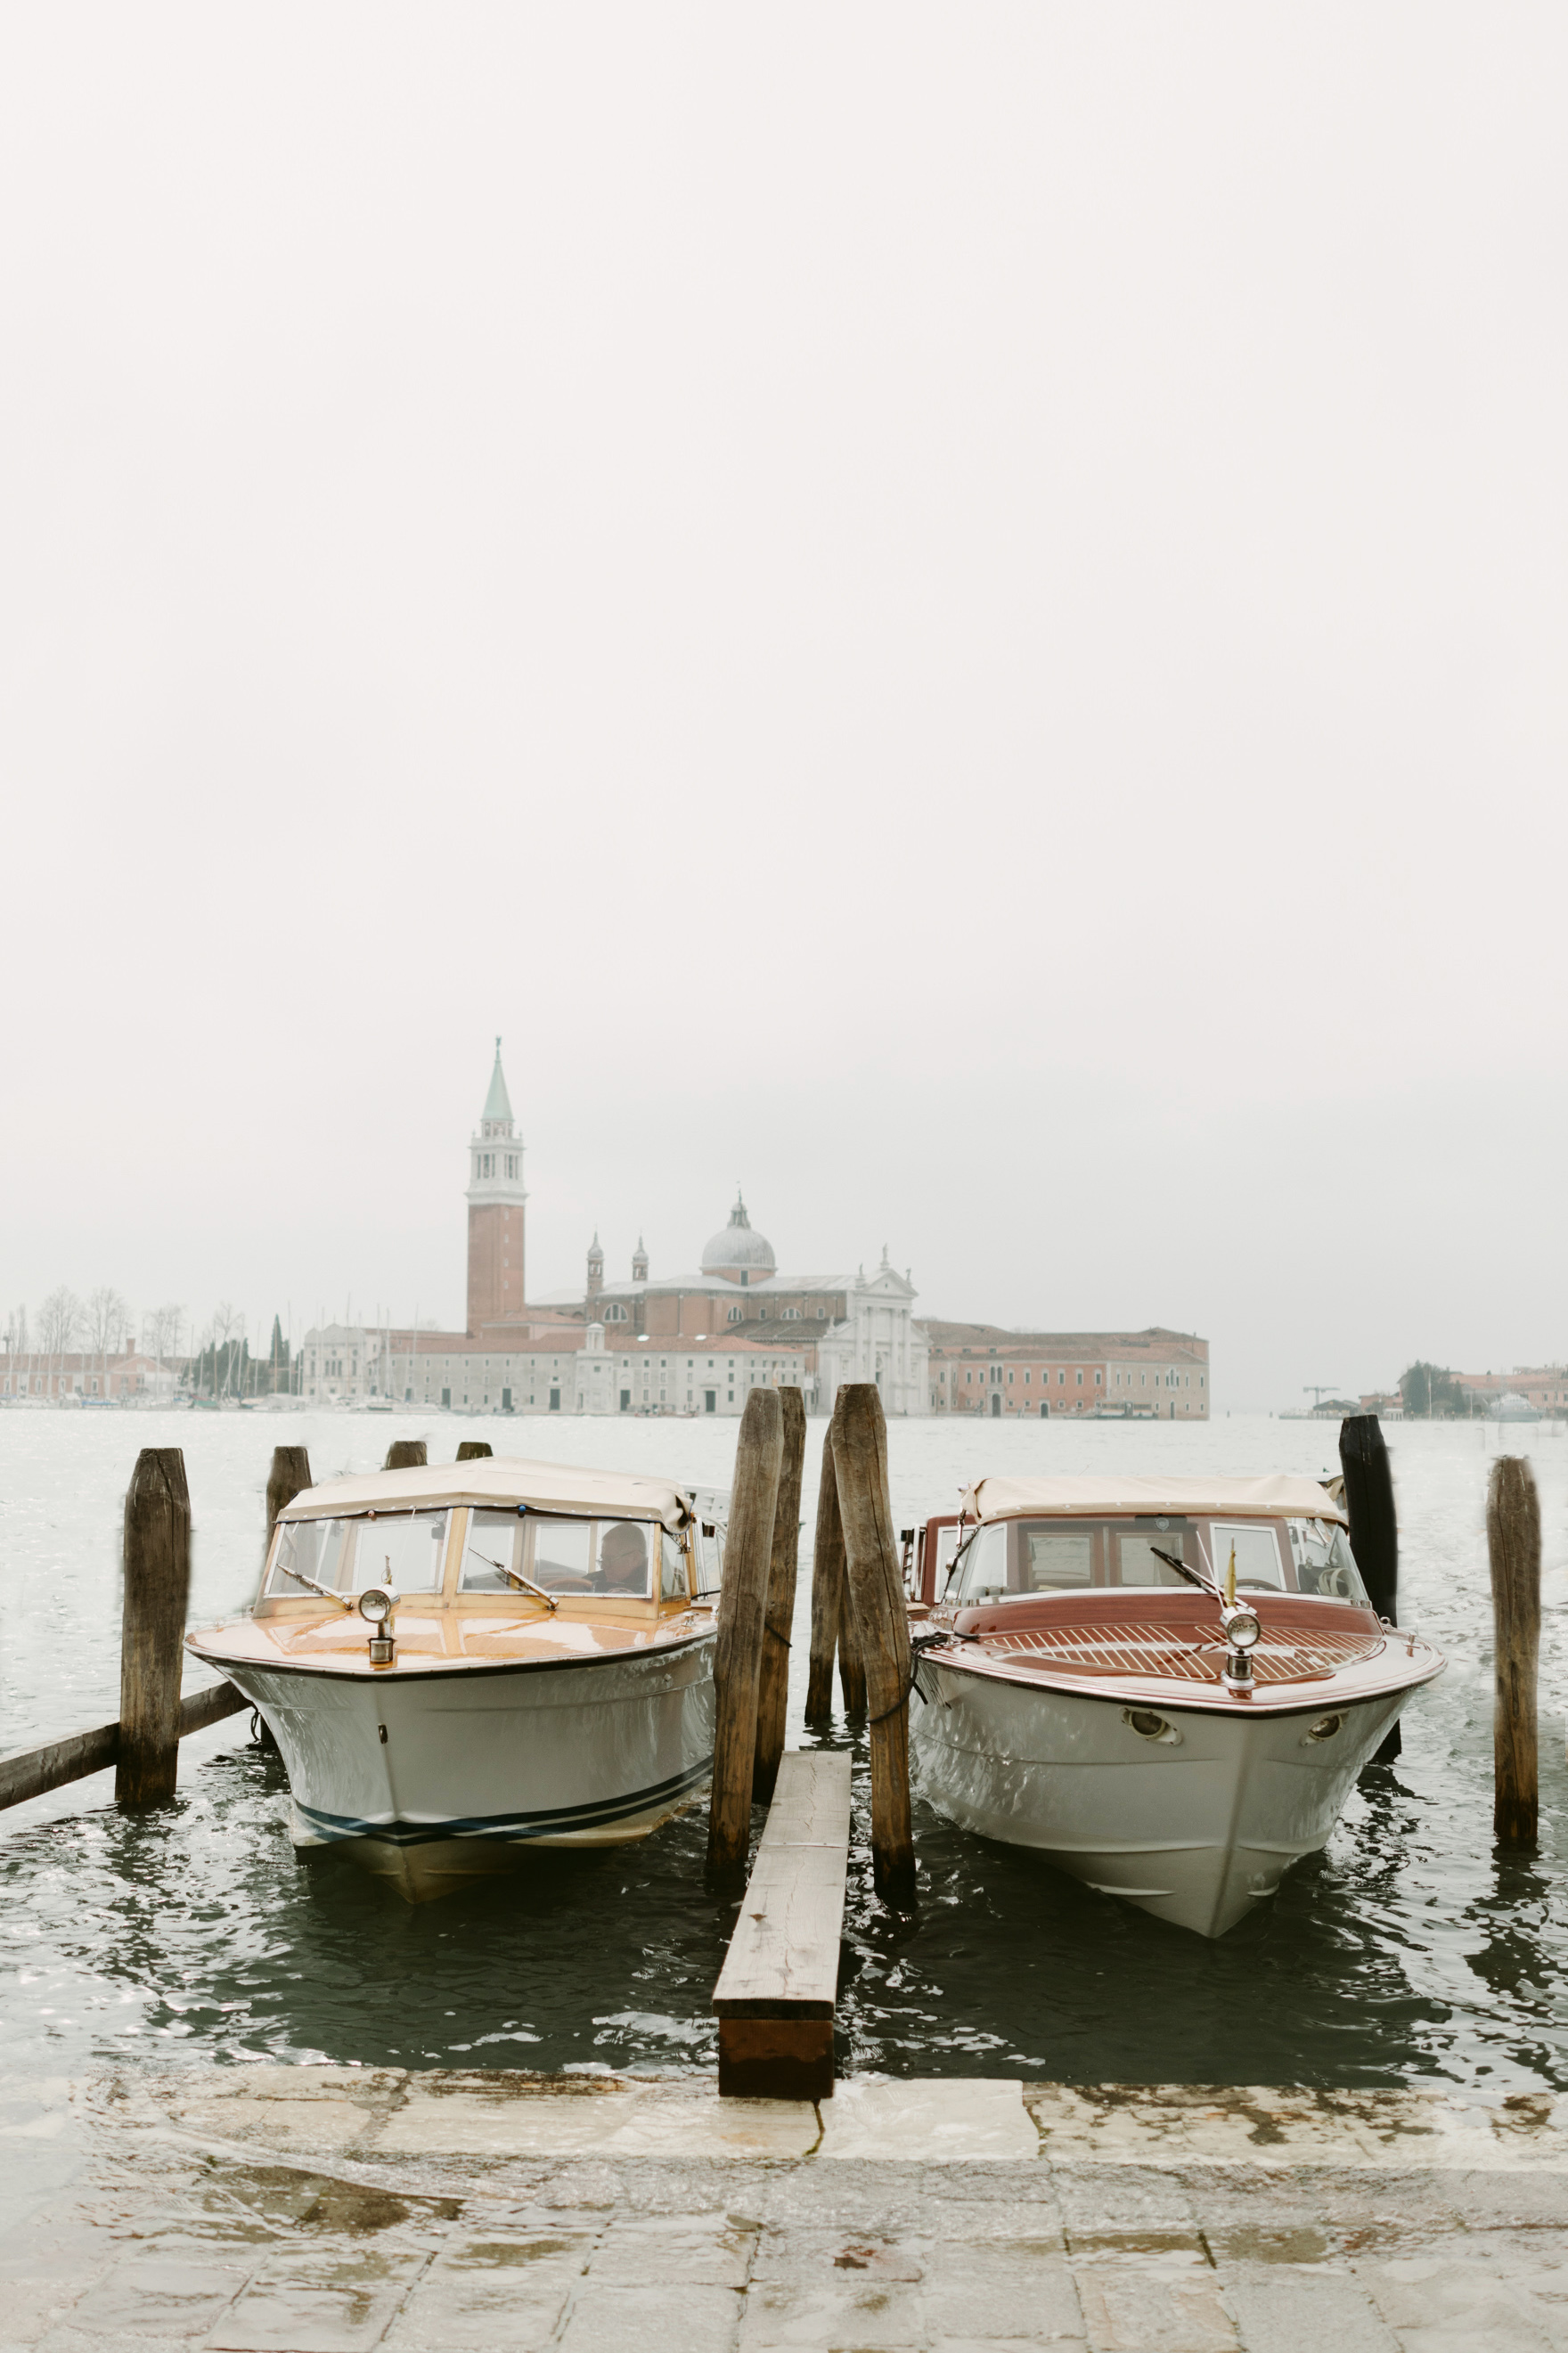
1156 1375
127 1378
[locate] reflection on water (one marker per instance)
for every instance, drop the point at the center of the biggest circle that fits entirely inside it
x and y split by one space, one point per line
1406 1950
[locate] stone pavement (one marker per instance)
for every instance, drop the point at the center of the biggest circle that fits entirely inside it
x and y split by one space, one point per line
323 2210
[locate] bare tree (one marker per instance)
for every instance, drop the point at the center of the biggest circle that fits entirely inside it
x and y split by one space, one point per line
163 1328
16 1332
60 1321
106 1317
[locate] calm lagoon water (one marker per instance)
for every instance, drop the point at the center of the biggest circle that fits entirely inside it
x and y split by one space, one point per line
1406 1950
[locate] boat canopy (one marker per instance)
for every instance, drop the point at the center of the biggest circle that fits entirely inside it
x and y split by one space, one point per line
542 1486
1273 1498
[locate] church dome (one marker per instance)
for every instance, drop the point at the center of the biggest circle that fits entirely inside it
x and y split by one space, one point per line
738 1253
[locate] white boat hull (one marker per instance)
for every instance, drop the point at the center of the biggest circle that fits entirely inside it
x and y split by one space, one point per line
430 1779
1198 1830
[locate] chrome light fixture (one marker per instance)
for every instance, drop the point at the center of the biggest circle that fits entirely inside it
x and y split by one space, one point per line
376 1604
1242 1631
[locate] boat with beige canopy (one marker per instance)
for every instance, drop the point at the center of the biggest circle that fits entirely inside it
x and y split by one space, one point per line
1165 1686
462 1661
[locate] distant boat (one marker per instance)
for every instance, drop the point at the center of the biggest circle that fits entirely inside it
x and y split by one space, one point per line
1512 1407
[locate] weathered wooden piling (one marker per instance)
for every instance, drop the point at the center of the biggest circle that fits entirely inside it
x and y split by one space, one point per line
405 1454
1374 1527
153 1628
773 1680
833 1628
1513 1548
877 1604
826 1590
290 1476
742 1605
473 1450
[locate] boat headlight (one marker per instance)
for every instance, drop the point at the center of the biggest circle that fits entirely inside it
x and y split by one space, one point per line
375 1604
1241 1629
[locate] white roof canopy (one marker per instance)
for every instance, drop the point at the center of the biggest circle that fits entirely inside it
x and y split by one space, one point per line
490 1481
1206 1498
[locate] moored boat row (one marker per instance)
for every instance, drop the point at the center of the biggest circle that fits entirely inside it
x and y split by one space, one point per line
1165 1687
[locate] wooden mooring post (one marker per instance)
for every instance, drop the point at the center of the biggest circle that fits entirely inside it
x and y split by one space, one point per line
290 1476
472 1450
773 1680
405 1454
882 1616
1514 1549
743 1604
1375 1528
833 1628
153 1628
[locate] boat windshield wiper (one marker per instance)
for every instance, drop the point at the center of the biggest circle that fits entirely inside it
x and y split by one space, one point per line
1193 1576
525 1584
325 1591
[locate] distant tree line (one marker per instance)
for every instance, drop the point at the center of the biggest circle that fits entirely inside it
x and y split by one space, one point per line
217 1362
1431 1392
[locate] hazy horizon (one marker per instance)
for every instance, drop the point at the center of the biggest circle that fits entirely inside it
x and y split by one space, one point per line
955 615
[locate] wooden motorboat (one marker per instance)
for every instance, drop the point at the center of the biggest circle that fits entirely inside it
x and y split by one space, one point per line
1165 1686
462 1661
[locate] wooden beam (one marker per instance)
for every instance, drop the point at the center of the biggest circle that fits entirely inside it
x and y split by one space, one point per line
775 1995
880 1612
32 1772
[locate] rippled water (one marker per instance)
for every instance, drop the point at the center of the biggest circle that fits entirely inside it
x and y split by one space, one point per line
1406 1950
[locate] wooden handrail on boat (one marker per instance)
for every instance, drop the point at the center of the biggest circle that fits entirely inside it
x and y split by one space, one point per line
30 1772
776 1991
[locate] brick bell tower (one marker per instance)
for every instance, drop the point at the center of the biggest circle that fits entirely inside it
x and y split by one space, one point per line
496 1196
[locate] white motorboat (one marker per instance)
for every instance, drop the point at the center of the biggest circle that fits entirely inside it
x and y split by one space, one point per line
462 1661
1165 1686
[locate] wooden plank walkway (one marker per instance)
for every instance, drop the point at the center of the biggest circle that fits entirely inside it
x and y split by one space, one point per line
29 1772
775 1994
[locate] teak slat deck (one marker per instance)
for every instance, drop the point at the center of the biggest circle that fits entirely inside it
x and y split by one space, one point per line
775 1993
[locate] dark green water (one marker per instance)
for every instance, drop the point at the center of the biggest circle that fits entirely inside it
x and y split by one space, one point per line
1406 1950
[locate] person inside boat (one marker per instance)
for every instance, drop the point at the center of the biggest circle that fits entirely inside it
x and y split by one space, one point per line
622 1559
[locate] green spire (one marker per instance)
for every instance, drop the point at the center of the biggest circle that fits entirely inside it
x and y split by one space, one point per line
498 1103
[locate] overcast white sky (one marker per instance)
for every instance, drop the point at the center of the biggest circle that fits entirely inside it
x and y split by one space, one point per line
955 612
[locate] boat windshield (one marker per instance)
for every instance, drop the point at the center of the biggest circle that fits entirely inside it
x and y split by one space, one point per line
1012 1558
313 1548
672 1586
406 1550
595 1556
492 1546
1324 1562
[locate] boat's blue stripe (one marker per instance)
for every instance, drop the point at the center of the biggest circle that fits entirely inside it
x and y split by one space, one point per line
546 1823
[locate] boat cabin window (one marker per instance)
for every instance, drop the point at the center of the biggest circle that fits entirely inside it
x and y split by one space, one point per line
599 1557
1259 1569
313 1546
493 1544
1135 1547
1052 1556
1324 1562
406 1550
982 1571
672 1579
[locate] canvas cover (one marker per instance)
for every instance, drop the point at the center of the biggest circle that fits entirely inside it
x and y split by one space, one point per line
1202 1498
543 1486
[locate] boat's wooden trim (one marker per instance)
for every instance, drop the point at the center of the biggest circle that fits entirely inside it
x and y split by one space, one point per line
1350 1687
423 1667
